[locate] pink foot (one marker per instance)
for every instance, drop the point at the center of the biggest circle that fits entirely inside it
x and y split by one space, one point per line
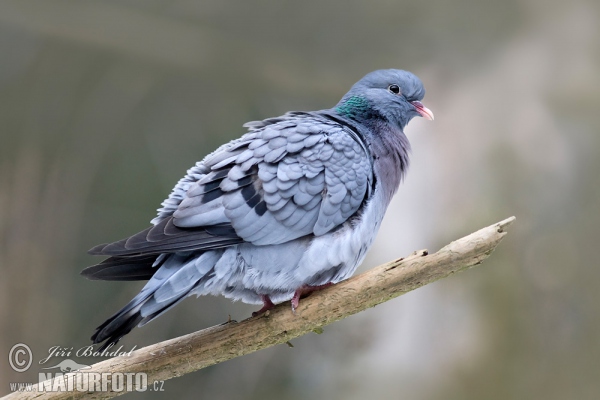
304 291
267 305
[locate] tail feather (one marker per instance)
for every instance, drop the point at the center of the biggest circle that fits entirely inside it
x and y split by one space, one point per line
178 275
113 329
130 316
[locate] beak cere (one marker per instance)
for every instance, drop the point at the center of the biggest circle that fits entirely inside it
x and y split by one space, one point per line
421 109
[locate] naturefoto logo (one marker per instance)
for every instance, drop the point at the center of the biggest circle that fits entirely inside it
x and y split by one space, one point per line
67 366
70 375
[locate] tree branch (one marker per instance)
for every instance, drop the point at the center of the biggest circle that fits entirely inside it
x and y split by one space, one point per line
188 353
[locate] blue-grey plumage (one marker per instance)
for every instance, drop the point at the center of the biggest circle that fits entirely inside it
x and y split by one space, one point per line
292 205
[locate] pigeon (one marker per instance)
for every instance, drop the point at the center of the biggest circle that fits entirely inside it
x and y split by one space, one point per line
290 207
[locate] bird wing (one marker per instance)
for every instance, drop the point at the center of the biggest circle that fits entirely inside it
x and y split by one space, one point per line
286 178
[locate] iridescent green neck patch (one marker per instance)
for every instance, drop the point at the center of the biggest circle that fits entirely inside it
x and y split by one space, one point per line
355 106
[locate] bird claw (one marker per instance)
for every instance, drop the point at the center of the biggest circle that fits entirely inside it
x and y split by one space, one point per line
267 305
295 302
304 291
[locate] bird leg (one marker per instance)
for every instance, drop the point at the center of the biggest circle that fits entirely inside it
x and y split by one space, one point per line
304 291
267 305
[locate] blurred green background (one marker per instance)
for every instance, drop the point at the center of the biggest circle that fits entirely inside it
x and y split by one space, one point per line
105 104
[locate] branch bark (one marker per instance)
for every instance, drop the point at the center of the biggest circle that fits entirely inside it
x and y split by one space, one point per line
188 353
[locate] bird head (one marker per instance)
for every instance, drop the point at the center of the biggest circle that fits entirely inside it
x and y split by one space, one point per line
388 94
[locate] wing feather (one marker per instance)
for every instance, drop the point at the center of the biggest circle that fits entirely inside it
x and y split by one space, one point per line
302 174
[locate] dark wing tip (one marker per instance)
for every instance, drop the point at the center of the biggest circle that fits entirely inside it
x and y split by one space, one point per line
90 273
122 269
111 249
97 250
166 237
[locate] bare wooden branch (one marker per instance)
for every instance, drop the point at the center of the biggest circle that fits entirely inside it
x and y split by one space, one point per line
185 354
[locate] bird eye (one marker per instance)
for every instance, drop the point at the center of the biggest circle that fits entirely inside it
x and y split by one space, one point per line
394 89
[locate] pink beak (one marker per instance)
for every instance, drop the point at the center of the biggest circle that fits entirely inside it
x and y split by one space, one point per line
424 111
